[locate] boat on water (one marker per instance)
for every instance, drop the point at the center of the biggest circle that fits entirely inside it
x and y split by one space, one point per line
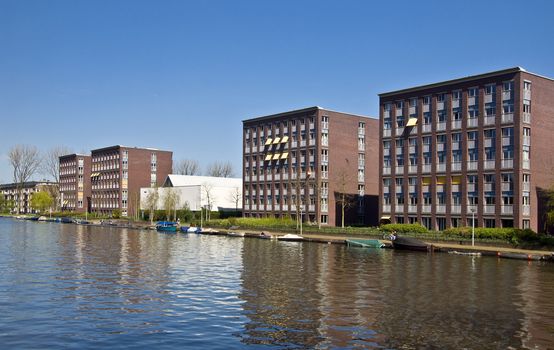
264 235
365 243
166 226
66 220
409 243
290 237
32 218
235 234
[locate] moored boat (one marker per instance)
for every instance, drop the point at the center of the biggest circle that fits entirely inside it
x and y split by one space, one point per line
264 235
365 243
66 220
184 229
235 234
409 243
290 237
166 226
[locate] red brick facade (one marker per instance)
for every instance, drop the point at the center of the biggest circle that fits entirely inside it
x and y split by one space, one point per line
481 143
307 159
75 186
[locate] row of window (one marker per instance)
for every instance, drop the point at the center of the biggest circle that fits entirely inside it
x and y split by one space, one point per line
489 89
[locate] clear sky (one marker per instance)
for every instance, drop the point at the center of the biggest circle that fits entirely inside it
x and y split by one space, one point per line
182 75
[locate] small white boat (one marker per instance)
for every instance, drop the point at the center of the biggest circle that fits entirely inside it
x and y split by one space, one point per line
235 234
290 237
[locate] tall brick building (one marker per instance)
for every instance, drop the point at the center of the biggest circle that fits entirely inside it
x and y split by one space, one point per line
309 162
75 185
477 146
118 173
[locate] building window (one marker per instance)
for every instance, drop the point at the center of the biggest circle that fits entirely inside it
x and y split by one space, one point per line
490 89
440 97
456 95
324 219
508 85
527 85
472 92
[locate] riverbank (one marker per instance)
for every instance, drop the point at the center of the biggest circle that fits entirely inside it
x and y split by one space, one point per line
445 247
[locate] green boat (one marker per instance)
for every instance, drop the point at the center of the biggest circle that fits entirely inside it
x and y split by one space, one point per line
365 243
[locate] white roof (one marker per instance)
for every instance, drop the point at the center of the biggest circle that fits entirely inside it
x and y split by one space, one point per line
192 180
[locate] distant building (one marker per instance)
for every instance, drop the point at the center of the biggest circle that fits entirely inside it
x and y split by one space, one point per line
476 146
10 193
75 184
118 173
195 192
308 163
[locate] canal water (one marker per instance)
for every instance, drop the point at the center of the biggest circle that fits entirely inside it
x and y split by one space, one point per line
69 286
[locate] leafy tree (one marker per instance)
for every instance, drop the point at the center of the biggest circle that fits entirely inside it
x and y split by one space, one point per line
151 202
40 201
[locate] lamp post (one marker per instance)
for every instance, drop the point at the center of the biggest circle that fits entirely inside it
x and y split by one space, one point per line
472 227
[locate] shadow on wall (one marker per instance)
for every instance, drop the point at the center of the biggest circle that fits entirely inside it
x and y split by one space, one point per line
368 215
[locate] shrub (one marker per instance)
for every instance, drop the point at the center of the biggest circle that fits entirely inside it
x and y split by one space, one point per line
404 228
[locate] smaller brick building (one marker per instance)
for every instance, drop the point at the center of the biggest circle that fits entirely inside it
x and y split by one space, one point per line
118 173
75 186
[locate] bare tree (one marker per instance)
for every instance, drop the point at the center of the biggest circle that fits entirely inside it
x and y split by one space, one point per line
51 168
342 197
51 162
151 202
236 196
170 203
25 160
186 167
219 169
208 191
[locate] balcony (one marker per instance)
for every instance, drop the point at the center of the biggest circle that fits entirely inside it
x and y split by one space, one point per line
507 118
412 209
426 209
489 98
489 142
507 163
455 145
527 94
488 186
489 209
399 208
507 186
399 131
526 140
412 169
440 106
440 147
441 209
472 122
441 126
526 186
507 141
526 210
490 120
507 95
386 208
441 168
426 128
507 209
527 117
386 151
456 209
456 166
426 168
472 165
386 132
324 208
471 144
455 103
386 171
489 164
471 101
526 164
399 169
386 189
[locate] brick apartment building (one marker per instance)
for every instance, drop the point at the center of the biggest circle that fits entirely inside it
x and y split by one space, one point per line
307 159
477 146
118 173
75 185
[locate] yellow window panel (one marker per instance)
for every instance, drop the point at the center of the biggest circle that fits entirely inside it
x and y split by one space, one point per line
285 139
268 141
441 180
277 140
426 181
412 122
268 156
456 180
284 155
385 217
276 156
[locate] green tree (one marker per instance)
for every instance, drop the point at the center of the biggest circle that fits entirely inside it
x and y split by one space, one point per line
40 201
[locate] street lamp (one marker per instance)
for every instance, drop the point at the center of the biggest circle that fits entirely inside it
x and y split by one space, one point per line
472 227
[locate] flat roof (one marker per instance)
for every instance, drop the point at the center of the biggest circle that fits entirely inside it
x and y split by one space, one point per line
129 147
74 155
302 110
460 80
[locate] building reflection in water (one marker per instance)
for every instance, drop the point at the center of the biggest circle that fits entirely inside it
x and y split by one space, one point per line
327 296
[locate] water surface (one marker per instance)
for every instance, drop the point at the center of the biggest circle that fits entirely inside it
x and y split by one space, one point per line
69 286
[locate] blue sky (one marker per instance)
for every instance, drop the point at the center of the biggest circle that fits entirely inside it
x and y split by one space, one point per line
182 75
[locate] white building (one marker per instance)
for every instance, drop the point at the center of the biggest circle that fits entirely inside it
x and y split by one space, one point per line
195 192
